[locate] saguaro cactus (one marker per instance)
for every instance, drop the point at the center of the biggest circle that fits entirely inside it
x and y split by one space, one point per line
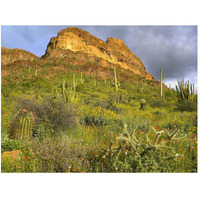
23 124
82 79
117 84
162 77
36 74
74 84
64 89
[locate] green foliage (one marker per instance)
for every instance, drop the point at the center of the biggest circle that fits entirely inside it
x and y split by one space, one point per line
186 106
8 144
57 154
157 103
55 114
96 143
141 151
97 116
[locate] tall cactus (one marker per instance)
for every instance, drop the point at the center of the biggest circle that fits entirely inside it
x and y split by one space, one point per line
23 124
74 84
36 74
185 91
117 84
162 77
82 79
64 89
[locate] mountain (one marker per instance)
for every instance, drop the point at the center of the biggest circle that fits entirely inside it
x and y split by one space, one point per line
78 50
11 55
82 47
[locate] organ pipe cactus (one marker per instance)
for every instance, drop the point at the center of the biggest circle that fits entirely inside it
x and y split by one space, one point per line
185 91
69 95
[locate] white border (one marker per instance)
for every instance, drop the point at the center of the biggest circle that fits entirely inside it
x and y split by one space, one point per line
99 186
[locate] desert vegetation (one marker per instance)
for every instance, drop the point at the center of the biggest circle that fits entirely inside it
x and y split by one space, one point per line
65 120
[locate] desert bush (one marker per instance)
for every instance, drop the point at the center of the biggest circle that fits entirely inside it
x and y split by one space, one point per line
157 103
150 150
53 114
8 144
81 87
10 161
186 106
60 154
97 116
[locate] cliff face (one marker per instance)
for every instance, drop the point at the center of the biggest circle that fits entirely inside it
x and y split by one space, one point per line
10 55
85 47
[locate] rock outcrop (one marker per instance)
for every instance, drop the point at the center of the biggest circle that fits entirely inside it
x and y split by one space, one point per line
84 47
11 55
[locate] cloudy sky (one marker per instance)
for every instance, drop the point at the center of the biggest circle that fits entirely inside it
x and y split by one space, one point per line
172 47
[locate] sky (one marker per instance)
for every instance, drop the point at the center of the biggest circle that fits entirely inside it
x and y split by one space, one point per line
172 47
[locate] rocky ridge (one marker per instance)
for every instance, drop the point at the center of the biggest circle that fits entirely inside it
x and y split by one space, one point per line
83 47
11 55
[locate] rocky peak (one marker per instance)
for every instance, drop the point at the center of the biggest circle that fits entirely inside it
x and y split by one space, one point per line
11 55
112 52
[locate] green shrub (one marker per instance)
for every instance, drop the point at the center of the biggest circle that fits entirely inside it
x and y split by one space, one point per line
81 87
8 144
186 106
97 116
55 114
157 103
59 154
147 150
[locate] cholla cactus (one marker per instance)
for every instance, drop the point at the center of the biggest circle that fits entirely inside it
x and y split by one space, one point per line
141 146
